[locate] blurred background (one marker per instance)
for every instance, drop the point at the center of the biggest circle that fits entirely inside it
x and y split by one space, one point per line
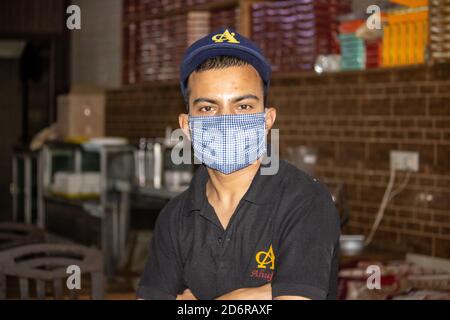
89 95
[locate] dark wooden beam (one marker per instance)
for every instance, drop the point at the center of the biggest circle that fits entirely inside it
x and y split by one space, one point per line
31 17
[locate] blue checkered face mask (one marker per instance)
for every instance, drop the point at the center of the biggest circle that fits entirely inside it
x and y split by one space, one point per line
228 142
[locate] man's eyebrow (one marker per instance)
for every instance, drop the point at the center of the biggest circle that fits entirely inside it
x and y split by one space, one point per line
204 100
237 99
244 97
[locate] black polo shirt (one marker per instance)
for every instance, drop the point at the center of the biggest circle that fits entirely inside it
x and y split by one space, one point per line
285 230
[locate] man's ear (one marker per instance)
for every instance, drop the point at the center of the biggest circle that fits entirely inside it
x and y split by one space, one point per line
271 115
183 120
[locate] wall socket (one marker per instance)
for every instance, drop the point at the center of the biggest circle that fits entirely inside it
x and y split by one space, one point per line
405 160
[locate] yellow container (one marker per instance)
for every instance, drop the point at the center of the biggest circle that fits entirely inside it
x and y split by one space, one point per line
405 38
412 3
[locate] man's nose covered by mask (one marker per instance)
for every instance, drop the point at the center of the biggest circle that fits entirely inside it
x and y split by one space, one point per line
229 142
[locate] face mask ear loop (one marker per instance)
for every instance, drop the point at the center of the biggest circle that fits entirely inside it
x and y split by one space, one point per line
189 130
266 131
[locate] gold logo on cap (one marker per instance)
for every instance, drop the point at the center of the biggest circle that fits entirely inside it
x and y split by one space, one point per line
227 36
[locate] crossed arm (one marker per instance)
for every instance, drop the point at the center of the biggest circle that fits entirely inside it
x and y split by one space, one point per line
259 293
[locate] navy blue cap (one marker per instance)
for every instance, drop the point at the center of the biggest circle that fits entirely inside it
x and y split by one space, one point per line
223 42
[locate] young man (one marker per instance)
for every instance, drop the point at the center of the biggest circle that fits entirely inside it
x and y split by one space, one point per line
236 233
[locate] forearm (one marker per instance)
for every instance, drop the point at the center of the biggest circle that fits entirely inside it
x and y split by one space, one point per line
259 293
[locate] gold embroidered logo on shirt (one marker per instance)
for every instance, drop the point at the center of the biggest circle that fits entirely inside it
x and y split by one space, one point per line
227 36
265 258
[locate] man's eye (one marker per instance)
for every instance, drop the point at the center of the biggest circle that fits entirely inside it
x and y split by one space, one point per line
245 107
206 108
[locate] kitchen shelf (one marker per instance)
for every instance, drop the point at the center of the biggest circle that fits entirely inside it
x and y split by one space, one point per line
158 193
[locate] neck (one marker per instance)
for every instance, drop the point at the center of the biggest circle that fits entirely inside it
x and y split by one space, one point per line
229 188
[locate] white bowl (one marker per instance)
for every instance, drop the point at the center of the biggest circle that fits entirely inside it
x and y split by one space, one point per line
351 245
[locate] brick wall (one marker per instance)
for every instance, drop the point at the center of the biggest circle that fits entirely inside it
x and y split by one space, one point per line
354 119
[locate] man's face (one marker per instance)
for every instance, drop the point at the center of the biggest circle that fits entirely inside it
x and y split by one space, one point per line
232 90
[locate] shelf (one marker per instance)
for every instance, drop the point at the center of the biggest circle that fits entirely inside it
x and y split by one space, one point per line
299 74
279 76
158 193
71 202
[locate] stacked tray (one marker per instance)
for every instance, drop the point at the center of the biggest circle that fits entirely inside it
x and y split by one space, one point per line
224 18
293 33
440 30
353 48
405 37
153 49
353 52
373 53
138 8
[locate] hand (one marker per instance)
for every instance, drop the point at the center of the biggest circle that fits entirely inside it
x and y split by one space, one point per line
259 293
186 295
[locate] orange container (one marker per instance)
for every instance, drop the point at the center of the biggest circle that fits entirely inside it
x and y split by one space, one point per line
412 3
405 38
350 26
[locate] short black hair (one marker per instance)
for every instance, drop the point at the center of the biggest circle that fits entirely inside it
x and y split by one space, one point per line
221 62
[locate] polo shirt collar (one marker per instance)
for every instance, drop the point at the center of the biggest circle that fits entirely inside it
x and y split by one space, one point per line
197 191
261 191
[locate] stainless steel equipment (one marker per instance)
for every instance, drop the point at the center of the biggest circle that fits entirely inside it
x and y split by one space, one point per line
115 166
155 168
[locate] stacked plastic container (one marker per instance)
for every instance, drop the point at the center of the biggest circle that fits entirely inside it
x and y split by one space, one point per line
353 49
225 17
154 42
374 51
440 30
293 33
153 48
405 37
159 6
